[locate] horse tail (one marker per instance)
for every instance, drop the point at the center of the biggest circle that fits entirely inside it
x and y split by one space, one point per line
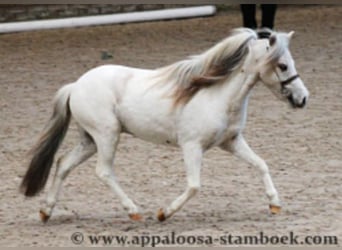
48 144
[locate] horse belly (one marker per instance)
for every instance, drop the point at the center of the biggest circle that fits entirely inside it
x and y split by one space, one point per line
148 117
149 128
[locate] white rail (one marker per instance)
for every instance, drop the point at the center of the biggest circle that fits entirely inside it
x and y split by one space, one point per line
143 16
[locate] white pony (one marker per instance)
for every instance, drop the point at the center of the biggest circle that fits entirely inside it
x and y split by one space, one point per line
196 104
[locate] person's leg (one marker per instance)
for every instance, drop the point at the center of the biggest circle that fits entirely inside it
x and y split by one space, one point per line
248 15
268 14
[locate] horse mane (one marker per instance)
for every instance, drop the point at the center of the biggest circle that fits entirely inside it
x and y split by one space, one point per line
278 42
212 67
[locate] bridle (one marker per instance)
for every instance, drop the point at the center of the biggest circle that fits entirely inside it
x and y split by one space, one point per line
288 80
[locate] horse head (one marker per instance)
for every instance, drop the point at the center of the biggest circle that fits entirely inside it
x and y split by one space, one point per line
277 70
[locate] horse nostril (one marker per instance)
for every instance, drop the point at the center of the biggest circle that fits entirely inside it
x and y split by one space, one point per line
303 102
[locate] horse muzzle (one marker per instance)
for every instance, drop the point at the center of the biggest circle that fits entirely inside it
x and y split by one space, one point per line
295 103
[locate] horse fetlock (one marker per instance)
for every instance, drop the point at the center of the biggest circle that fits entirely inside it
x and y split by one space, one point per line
275 204
130 207
273 197
133 211
194 189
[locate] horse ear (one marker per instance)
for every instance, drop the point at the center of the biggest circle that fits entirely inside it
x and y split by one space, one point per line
291 33
272 40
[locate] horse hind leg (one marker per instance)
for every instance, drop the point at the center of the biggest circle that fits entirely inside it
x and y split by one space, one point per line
106 137
84 150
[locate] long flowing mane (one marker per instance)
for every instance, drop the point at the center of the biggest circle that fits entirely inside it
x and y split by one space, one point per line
207 69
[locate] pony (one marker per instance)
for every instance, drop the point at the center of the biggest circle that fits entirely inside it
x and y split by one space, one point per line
195 104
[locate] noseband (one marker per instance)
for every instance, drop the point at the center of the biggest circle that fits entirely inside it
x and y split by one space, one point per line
289 80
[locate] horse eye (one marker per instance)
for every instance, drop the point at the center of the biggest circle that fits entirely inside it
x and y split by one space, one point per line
282 67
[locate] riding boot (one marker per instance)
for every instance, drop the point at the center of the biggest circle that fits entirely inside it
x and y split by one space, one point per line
268 14
248 15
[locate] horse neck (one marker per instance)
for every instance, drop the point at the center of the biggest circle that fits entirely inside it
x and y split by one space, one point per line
236 89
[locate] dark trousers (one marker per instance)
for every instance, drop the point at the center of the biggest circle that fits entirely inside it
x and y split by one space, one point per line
267 16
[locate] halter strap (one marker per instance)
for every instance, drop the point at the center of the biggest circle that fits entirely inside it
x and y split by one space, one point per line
289 80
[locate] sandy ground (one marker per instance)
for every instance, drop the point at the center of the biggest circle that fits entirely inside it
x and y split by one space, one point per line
302 148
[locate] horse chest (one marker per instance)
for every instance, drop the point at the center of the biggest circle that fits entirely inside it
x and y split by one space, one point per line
235 124
214 134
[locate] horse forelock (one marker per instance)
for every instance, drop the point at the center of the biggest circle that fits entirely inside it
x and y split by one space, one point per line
209 68
278 49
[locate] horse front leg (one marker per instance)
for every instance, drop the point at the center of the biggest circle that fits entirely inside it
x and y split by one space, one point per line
192 153
239 147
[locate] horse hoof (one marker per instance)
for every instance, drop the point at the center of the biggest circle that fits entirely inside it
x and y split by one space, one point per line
161 215
135 217
43 216
275 209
